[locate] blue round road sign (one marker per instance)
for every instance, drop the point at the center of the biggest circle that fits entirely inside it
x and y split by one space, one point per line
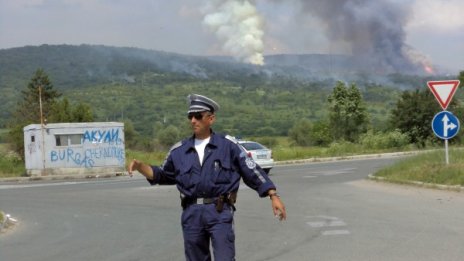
445 125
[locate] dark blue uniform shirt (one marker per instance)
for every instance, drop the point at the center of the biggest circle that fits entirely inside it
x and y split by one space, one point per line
224 163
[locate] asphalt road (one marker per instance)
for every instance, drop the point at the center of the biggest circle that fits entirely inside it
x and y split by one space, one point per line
333 214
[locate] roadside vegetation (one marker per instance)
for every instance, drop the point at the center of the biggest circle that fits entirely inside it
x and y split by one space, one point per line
11 165
297 120
429 167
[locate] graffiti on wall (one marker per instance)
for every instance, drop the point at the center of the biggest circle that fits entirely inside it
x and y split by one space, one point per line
110 147
102 136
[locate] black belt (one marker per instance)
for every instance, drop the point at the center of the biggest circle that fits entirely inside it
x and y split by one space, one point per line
187 201
202 201
218 201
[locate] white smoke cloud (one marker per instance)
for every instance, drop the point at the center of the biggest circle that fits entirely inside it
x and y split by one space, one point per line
238 26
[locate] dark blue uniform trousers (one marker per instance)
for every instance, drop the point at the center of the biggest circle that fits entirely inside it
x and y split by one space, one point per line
202 224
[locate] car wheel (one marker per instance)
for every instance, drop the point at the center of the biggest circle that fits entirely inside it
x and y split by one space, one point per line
267 170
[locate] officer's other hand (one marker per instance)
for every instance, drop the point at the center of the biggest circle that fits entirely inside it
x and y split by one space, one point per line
279 208
133 165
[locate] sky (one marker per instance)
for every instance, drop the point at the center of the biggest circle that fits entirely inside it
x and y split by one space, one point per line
428 31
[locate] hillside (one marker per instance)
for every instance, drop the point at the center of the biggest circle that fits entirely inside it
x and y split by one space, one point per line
149 87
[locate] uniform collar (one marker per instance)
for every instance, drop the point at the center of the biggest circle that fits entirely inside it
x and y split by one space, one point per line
213 141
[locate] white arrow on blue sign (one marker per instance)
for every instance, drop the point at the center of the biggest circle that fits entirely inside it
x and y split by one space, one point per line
445 125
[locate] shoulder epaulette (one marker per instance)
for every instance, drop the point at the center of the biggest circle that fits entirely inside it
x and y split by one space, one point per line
175 146
231 138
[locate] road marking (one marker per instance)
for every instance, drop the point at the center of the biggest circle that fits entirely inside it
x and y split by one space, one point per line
336 172
330 172
335 232
327 222
337 223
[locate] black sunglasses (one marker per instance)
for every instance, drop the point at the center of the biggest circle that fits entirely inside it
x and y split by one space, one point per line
197 115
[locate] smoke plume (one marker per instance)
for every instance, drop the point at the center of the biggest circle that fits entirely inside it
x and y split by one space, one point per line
239 27
374 29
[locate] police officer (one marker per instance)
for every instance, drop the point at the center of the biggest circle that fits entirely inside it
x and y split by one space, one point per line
207 169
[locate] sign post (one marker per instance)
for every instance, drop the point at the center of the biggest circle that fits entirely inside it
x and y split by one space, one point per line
445 125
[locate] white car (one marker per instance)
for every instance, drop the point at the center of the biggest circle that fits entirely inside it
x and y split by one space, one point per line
260 154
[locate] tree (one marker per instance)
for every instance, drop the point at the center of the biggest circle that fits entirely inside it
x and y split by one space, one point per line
63 111
169 136
28 109
130 134
320 133
300 133
60 111
81 113
348 116
413 114
54 110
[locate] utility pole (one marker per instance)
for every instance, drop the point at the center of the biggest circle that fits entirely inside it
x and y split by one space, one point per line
42 128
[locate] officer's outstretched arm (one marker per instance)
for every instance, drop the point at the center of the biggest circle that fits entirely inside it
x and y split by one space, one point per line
277 206
141 167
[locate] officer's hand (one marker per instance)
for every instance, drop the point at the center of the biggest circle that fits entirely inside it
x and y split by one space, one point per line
134 165
278 208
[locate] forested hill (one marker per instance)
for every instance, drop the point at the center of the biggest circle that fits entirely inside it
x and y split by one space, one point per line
70 66
149 86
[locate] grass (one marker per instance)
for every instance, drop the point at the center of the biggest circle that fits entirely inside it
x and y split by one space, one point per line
289 152
428 167
11 164
154 158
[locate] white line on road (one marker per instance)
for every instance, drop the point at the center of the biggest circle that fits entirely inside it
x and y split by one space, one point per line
326 222
335 232
337 223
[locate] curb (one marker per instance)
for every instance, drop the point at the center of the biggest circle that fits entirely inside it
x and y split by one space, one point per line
60 177
354 157
456 188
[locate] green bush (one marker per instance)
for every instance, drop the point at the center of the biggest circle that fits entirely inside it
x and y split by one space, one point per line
11 164
379 141
342 148
300 133
3 135
320 134
169 136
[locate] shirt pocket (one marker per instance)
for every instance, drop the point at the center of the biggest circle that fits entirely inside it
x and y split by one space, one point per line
187 178
222 171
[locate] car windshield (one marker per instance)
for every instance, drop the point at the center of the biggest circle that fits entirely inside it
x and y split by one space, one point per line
252 146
